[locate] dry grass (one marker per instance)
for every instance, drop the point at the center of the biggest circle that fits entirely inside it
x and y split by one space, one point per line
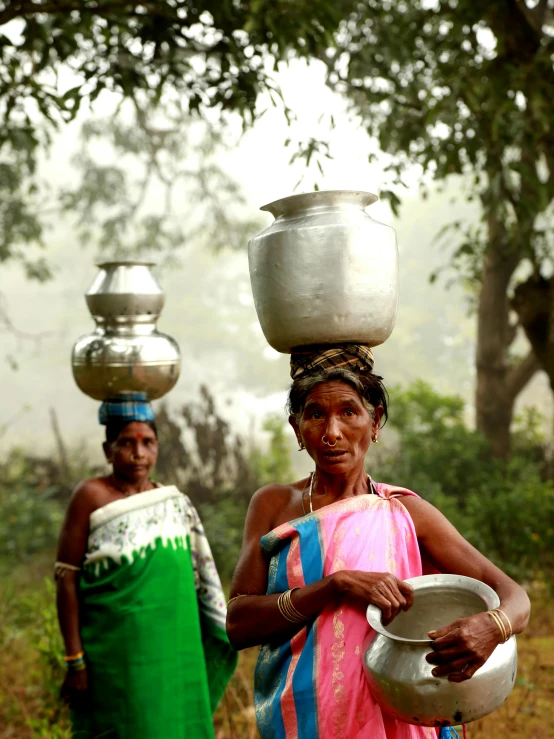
235 717
528 712
29 709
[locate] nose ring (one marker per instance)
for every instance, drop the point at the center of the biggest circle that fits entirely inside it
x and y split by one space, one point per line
326 441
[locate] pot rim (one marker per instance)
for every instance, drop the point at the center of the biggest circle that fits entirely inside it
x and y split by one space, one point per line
424 582
302 201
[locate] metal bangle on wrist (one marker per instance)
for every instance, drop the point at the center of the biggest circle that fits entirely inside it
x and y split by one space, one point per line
75 662
505 628
287 610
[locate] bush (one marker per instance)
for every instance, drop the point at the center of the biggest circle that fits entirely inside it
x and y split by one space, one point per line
505 509
219 471
32 667
30 515
34 492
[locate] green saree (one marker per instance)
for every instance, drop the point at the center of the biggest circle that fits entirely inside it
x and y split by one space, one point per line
152 622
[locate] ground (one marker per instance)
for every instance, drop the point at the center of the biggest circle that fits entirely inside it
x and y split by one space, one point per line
30 669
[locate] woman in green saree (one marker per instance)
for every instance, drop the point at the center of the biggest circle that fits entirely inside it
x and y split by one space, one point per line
140 604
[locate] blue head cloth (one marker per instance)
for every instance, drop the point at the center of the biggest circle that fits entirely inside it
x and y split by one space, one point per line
449 732
126 407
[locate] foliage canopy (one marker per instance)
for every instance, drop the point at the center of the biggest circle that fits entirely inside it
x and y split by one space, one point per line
200 58
464 88
456 87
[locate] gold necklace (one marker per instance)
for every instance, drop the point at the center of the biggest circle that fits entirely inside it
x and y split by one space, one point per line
312 478
302 498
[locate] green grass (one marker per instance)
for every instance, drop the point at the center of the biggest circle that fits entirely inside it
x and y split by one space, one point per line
31 670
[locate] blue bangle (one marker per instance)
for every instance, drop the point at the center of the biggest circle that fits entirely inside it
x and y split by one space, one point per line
76 664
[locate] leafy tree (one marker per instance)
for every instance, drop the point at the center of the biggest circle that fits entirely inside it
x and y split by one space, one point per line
206 58
457 87
504 509
157 187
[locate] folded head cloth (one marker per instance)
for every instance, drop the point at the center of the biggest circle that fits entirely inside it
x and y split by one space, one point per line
357 357
126 407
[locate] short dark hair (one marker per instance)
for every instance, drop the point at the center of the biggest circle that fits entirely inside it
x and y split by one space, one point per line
114 428
369 386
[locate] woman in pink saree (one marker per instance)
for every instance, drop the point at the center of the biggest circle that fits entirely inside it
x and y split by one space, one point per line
317 551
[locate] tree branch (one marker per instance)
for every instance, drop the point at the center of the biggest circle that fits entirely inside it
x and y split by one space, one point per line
62 449
518 376
535 17
511 333
23 8
6 324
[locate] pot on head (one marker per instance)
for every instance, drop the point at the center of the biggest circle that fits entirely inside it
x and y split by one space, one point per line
324 272
400 677
125 352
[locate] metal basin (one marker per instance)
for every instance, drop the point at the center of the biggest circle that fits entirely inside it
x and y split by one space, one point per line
399 676
324 272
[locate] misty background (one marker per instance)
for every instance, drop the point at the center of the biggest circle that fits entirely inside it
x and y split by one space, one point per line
209 308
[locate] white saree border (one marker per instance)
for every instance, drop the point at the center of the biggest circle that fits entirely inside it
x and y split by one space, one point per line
130 527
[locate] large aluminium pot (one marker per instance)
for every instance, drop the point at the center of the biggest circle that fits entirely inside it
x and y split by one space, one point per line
399 676
125 352
324 272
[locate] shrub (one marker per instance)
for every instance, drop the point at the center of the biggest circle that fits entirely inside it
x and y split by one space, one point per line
505 509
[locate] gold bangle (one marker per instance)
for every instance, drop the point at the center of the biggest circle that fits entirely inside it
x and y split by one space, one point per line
73 657
498 621
293 610
287 610
500 625
511 631
241 595
506 635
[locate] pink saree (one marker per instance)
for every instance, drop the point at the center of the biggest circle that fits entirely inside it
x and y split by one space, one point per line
313 687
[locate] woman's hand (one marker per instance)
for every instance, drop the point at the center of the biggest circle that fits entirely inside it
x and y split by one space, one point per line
462 647
74 689
382 589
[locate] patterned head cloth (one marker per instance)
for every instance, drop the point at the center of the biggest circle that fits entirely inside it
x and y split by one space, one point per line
357 357
126 407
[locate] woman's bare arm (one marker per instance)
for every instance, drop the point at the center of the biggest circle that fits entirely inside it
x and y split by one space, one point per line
255 618
71 550
451 553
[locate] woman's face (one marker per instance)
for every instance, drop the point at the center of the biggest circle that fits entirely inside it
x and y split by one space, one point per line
336 428
134 452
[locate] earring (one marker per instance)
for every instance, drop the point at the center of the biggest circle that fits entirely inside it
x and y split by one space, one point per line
375 439
301 446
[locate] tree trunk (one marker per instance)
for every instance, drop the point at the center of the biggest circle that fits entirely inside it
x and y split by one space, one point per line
498 384
533 302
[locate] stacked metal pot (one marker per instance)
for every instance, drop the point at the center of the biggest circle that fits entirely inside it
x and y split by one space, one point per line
125 353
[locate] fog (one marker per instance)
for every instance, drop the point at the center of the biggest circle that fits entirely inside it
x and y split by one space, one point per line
209 308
